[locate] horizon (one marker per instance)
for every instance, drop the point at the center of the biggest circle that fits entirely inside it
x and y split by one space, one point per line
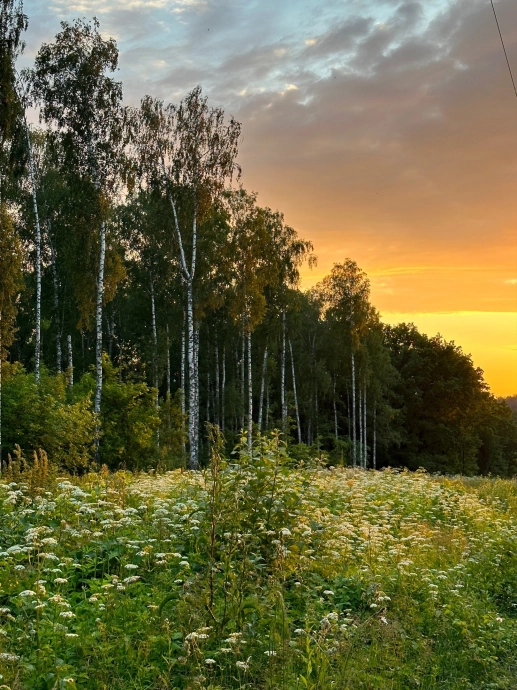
384 131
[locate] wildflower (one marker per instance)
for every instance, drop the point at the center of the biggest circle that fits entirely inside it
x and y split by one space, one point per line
192 636
5 656
71 635
131 579
130 566
298 631
270 652
285 532
243 665
383 620
329 592
19 567
67 614
60 581
209 662
27 593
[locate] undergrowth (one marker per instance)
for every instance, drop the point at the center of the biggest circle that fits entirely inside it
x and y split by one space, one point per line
256 574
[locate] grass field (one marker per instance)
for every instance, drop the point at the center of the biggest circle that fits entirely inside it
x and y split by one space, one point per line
255 574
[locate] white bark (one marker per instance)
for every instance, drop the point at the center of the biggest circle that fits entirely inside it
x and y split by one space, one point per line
262 385
282 378
70 367
223 389
335 411
374 449
98 324
250 397
217 403
208 387
155 341
59 355
243 377
365 445
192 328
354 448
168 364
37 354
298 426
183 388
360 424
193 421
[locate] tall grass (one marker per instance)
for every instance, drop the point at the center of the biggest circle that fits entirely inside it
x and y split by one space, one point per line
258 574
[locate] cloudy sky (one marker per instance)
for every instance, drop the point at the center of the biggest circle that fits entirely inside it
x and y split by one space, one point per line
386 131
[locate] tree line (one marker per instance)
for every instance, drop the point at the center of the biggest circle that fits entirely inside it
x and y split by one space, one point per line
144 294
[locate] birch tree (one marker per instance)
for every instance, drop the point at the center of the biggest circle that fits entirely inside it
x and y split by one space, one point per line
345 297
78 97
189 151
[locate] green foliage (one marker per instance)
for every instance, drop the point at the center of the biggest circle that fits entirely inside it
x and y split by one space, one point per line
61 421
255 575
129 420
44 417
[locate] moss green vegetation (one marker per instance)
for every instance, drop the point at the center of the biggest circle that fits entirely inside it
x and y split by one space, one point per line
257 574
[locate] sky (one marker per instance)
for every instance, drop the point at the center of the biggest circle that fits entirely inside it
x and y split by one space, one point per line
384 130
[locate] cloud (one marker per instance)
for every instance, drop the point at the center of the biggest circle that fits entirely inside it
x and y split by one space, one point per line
397 145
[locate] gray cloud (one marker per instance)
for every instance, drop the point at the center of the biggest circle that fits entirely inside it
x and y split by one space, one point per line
384 130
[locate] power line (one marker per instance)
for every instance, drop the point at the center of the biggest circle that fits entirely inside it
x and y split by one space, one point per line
505 53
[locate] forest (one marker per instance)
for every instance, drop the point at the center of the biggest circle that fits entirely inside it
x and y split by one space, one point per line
145 295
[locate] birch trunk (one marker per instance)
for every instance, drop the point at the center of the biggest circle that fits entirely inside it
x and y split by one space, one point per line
70 367
217 404
365 446
374 448
192 332
360 425
354 448
37 354
262 385
98 339
250 398
298 426
59 355
282 378
155 354
335 411
223 389
208 387
243 376
193 421
183 391
168 364
155 341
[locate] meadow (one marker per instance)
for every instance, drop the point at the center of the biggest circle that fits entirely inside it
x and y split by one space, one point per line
256 573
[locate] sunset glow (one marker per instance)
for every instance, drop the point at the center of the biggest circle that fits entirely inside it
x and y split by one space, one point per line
384 130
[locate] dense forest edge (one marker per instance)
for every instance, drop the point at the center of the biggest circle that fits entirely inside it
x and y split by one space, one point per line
145 295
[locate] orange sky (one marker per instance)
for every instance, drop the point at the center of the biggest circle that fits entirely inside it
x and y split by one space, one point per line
385 130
